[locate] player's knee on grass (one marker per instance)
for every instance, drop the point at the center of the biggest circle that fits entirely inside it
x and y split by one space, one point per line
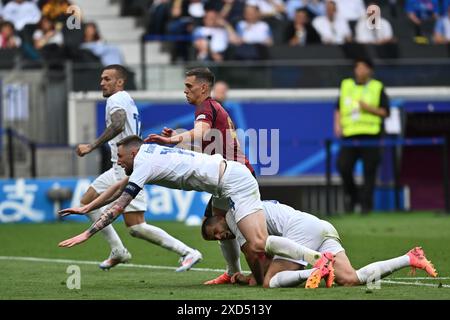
344 272
347 279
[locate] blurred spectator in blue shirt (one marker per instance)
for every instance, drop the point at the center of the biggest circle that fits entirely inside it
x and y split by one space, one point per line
108 54
315 7
419 13
445 5
442 29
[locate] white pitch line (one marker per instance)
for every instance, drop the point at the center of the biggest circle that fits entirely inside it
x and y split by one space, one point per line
126 265
419 284
420 278
144 266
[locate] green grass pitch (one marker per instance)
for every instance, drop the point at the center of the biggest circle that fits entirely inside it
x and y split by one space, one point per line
366 239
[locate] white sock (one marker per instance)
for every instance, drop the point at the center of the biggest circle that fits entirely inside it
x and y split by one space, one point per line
380 269
231 252
285 279
290 249
159 237
109 233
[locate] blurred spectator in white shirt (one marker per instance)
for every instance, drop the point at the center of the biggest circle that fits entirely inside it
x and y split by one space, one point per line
373 31
331 28
47 34
252 30
351 10
211 39
20 13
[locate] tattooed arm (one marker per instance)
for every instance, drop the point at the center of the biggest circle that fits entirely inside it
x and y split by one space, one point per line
117 125
105 219
110 214
106 197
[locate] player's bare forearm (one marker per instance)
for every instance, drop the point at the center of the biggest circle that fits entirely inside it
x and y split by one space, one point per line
105 219
256 267
258 263
110 214
117 125
109 195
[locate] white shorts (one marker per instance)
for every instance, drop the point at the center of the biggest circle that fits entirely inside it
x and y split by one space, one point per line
239 192
315 234
112 176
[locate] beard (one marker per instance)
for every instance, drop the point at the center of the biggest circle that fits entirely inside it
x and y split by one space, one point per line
128 172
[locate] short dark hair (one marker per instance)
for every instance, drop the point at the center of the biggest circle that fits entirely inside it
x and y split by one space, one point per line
132 140
366 61
209 221
202 74
122 73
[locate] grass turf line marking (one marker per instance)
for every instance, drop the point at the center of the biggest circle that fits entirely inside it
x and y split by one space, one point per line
144 266
126 265
420 284
419 278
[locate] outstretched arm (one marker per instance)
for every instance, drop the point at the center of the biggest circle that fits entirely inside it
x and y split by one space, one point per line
108 196
196 134
105 219
117 125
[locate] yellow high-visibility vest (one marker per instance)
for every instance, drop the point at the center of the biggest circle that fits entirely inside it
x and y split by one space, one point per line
355 121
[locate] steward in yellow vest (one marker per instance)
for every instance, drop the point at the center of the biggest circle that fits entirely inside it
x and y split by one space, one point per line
361 108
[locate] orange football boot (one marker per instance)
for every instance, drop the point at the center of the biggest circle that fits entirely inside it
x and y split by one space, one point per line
418 260
324 269
222 279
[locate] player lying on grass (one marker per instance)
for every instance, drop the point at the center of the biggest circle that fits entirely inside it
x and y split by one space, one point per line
232 184
307 230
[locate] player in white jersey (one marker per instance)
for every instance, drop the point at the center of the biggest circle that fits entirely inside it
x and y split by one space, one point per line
122 120
232 184
309 231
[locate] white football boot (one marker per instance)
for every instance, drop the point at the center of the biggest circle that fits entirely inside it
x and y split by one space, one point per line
189 260
118 255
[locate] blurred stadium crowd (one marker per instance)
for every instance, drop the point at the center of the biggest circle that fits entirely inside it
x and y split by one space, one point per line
221 30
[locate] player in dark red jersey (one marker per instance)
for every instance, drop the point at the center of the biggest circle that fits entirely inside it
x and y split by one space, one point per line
213 132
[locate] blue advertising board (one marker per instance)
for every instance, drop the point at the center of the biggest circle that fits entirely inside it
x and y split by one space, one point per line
302 128
297 148
26 200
